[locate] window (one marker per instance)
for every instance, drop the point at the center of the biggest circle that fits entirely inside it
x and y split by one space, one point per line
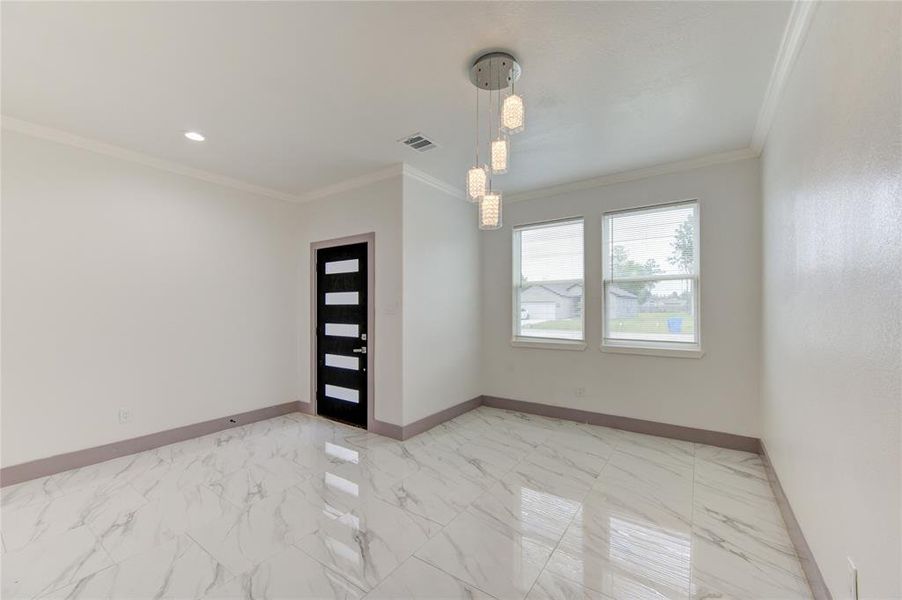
651 277
548 281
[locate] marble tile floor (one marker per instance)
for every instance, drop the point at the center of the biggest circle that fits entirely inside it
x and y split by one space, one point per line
493 504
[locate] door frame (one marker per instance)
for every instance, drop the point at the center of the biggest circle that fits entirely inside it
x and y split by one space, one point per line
370 240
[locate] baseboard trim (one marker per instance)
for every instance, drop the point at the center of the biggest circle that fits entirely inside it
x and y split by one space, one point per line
89 456
678 432
813 574
427 423
396 432
405 432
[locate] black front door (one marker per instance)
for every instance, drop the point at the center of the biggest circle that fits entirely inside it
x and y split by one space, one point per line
341 326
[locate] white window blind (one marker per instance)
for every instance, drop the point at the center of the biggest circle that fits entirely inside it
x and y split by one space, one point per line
651 276
548 280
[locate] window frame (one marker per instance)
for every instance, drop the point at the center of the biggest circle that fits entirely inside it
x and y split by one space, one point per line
656 347
522 341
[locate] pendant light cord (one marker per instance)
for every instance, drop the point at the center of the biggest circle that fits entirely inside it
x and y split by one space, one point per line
477 126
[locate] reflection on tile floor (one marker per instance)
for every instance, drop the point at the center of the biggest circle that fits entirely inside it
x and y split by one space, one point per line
493 504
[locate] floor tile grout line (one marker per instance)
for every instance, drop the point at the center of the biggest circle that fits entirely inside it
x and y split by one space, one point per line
325 565
570 524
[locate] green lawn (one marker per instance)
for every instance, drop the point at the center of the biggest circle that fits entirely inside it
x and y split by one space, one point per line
641 323
651 323
562 324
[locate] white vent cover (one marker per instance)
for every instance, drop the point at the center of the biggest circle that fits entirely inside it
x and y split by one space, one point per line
418 142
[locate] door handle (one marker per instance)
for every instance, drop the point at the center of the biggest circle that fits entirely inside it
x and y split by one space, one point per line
360 350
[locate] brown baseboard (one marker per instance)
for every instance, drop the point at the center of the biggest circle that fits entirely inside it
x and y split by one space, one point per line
89 456
806 557
427 423
677 432
391 430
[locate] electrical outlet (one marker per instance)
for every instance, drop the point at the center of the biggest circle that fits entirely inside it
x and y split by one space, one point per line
853 579
579 392
125 415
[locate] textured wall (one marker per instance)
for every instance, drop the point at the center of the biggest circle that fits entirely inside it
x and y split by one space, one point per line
832 342
718 391
129 287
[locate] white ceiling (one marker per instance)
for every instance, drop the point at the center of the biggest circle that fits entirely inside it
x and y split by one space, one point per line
297 96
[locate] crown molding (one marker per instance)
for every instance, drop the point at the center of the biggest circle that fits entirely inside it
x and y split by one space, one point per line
636 174
98 147
428 179
353 183
790 46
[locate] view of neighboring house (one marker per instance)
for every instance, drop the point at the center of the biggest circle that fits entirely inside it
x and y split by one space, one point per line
621 303
673 303
551 301
559 301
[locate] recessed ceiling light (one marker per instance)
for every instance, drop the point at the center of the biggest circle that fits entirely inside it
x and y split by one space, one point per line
195 136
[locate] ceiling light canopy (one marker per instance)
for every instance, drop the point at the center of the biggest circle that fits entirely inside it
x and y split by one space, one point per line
195 136
494 73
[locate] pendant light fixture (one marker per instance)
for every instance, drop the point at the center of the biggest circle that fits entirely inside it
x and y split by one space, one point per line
490 211
476 176
513 113
494 72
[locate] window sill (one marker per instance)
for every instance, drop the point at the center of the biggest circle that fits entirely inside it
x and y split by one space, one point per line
654 350
548 344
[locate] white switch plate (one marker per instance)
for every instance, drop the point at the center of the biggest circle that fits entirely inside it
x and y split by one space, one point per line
579 392
125 415
853 579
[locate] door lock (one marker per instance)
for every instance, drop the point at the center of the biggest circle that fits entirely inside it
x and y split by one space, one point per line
360 350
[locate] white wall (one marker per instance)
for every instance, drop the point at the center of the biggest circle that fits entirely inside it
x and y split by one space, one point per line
374 208
832 384
124 286
718 391
442 301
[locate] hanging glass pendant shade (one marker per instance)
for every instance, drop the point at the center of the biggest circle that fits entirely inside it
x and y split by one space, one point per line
513 114
476 180
500 153
490 211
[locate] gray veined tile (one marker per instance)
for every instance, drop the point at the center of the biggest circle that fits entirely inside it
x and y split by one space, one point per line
241 539
551 508
368 542
652 492
503 564
122 469
742 552
28 492
62 513
525 512
595 443
125 532
665 451
552 587
548 471
289 574
612 548
252 484
178 569
725 571
417 580
52 563
652 482
439 499
739 490
734 458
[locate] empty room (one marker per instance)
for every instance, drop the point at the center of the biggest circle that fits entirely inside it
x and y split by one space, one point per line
451 300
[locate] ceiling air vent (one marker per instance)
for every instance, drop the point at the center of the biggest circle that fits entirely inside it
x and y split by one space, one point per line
418 142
